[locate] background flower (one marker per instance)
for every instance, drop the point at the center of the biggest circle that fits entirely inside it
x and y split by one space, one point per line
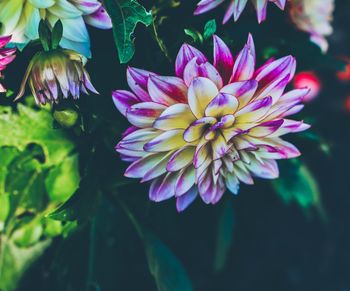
21 19
7 55
210 127
56 74
314 17
236 7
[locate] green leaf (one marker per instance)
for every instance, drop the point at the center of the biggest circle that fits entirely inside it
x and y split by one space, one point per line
81 205
63 180
25 183
14 261
52 228
125 15
44 34
209 29
28 234
7 154
30 126
224 236
167 270
164 266
297 184
194 34
57 33
4 209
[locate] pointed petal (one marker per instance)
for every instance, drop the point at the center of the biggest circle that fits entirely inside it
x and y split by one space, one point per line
232 183
165 189
167 90
244 66
243 90
222 104
200 93
123 100
186 54
181 159
99 19
266 128
223 59
196 130
206 70
185 181
206 5
176 116
254 111
137 80
169 140
186 199
144 114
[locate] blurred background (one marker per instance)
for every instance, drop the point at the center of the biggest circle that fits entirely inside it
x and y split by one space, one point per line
263 238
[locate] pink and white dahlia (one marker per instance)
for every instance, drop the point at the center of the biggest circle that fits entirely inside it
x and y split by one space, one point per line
21 19
236 7
210 127
7 55
314 17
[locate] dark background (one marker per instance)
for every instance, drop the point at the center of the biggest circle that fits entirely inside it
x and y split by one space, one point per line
276 246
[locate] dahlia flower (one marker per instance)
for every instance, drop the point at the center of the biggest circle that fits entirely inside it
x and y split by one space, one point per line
236 7
210 127
56 74
21 19
314 17
7 55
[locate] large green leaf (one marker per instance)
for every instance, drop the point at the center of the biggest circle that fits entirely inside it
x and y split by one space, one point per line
14 261
63 180
297 184
31 126
125 15
81 205
167 270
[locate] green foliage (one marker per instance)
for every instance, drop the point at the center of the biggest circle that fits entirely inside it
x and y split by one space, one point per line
209 29
224 237
297 184
15 261
81 205
29 126
38 170
126 14
168 272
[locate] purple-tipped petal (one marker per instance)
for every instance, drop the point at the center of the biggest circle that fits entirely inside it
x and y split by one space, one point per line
244 66
223 59
167 90
176 116
222 104
254 111
206 5
185 181
186 199
206 70
244 91
186 54
123 100
261 7
167 141
266 128
181 159
144 114
99 19
164 190
137 81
